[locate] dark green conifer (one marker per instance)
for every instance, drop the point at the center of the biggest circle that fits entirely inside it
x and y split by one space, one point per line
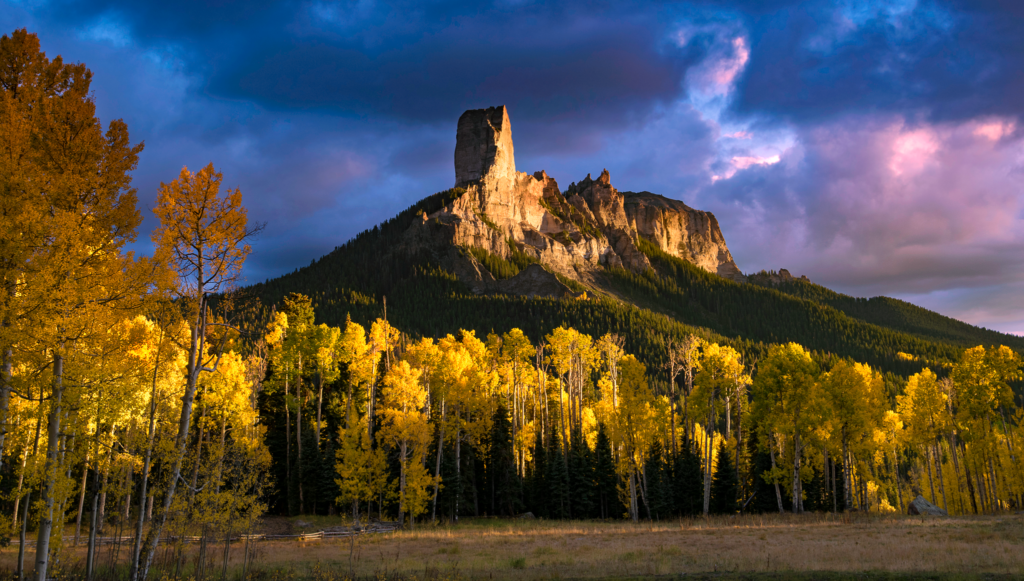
687 481
724 487
658 484
505 488
581 477
558 500
607 500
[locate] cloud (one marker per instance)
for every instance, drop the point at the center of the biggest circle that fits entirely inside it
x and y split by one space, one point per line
884 205
873 145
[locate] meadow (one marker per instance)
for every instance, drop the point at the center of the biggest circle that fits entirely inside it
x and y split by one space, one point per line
762 547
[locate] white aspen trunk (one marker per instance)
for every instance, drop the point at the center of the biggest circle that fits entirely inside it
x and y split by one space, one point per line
288 445
81 499
403 460
928 462
847 488
437 469
319 407
195 366
50 470
300 398
796 474
6 375
143 496
458 462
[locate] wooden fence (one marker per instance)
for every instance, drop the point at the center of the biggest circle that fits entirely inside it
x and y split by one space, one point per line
331 533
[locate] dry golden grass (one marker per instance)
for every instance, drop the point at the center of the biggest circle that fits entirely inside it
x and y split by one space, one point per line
749 547
513 549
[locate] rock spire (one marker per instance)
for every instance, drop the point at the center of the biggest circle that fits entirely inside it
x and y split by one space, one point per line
483 146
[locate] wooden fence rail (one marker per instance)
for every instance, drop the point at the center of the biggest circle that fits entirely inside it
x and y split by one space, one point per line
332 533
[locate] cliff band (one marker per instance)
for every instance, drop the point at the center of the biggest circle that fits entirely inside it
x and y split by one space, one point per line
575 234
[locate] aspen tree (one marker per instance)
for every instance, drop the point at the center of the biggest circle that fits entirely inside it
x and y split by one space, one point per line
204 236
405 426
852 397
785 395
719 376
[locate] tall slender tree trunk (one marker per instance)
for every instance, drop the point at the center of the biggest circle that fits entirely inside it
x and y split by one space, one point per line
143 494
194 367
6 376
796 474
81 499
299 468
49 487
931 481
633 509
403 460
319 408
437 469
288 444
938 471
458 464
847 485
778 492
970 482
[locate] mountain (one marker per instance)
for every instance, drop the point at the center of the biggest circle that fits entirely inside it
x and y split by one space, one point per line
509 249
578 235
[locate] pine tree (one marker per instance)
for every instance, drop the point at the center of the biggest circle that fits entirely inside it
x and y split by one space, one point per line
581 477
504 486
762 491
558 499
537 501
659 491
687 481
607 503
724 487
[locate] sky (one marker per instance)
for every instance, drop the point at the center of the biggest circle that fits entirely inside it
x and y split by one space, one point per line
876 147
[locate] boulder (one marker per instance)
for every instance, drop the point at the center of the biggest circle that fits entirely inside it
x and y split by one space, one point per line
920 506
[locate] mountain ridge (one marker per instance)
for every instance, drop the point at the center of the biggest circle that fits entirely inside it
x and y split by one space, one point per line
507 249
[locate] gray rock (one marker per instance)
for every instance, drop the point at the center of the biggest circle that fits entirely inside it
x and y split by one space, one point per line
527 516
483 146
920 506
575 234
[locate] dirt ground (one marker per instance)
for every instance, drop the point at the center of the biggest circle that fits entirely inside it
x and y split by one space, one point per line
770 547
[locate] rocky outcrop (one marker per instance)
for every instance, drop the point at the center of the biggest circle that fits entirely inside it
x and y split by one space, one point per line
920 506
772 278
589 227
681 231
533 282
483 146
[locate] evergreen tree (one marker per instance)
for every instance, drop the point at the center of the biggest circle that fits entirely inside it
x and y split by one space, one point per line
505 489
724 487
537 486
581 477
687 477
607 503
659 489
763 492
557 481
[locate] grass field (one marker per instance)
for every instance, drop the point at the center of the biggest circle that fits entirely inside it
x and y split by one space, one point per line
771 547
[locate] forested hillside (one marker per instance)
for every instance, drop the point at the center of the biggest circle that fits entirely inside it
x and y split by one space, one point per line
653 307
901 316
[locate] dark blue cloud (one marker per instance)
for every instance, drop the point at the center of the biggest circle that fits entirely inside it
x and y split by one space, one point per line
797 121
815 60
